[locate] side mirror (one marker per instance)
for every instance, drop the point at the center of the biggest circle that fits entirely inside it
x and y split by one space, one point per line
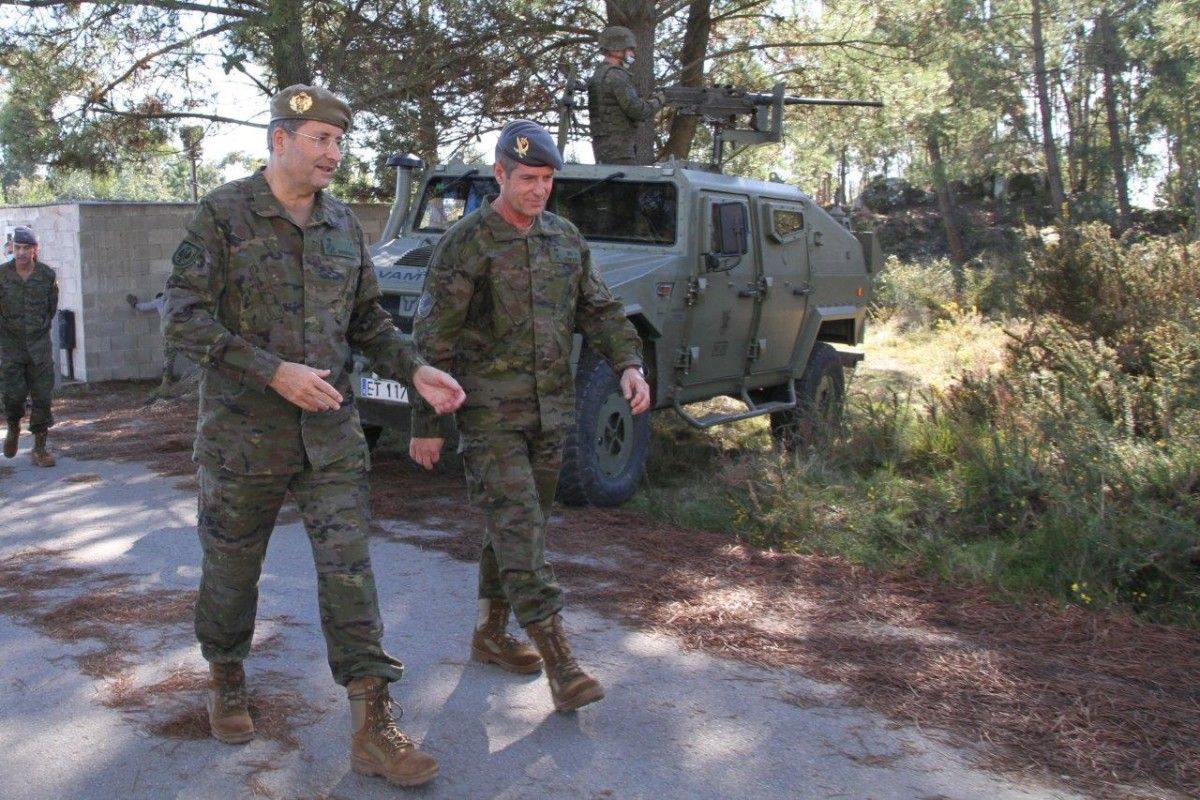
730 225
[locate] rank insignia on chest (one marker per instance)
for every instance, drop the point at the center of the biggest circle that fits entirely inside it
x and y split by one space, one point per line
565 255
339 247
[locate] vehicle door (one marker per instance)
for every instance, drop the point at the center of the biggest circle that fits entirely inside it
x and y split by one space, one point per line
784 288
721 297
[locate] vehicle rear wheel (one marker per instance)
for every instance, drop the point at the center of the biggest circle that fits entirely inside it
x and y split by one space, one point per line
605 450
820 398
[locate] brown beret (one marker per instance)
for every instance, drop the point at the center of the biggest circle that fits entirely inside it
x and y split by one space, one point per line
311 102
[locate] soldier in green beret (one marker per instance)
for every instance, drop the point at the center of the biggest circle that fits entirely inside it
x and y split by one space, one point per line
614 109
508 286
272 287
28 301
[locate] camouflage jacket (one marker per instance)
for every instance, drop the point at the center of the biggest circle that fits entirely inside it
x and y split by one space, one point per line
500 309
27 309
614 107
250 289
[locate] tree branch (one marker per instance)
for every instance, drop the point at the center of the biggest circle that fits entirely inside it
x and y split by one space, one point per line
99 94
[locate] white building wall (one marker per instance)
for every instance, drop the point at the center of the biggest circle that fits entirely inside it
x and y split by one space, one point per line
103 251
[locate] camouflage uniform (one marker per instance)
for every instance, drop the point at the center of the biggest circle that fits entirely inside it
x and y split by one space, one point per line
27 310
249 289
615 110
500 307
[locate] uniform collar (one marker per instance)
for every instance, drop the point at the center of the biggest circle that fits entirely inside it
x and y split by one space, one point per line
266 204
503 231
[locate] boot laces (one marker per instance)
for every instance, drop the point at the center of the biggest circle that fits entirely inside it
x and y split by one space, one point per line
233 696
507 640
379 709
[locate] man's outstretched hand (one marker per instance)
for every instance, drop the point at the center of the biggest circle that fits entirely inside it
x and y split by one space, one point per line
439 389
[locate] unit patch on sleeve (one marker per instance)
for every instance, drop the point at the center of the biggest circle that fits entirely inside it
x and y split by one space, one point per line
186 255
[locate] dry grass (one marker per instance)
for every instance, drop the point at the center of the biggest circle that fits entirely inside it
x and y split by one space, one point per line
1110 703
111 610
174 706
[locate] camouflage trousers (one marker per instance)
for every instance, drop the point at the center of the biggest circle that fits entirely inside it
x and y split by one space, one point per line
237 515
28 375
170 352
511 478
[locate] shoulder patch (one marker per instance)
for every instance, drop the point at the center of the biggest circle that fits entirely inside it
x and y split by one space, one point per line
186 255
425 305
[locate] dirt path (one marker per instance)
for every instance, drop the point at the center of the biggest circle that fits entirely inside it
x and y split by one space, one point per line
1109 704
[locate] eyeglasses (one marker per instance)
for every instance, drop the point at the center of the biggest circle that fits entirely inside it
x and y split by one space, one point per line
325 142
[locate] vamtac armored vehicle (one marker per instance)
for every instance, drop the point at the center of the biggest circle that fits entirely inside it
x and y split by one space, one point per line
738 287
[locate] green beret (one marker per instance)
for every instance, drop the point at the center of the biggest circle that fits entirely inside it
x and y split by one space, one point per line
528 143
311 102
24 235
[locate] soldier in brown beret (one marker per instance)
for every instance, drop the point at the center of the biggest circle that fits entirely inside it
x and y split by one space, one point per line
271 291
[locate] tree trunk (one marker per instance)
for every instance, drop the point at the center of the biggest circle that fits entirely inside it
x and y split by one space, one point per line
691 56
1049 145
1110 63
285 29
639 17
945 195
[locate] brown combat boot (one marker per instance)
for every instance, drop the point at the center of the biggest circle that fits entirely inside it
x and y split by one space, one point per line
10 439
377 746
493 644
40 455
570 686
228 718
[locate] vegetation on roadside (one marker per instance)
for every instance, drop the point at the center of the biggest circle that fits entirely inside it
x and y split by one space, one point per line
1033 424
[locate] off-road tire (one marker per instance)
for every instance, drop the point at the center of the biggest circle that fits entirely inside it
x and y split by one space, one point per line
820 400
605 450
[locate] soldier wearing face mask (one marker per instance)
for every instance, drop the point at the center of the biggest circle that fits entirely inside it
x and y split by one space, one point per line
614 107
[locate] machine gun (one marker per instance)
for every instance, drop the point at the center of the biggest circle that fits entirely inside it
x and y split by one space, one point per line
720 107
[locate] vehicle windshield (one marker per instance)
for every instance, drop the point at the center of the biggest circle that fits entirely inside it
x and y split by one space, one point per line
638 212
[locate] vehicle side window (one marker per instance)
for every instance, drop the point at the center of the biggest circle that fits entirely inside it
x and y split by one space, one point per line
784 223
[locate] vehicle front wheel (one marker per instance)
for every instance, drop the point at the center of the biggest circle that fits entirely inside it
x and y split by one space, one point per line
605 450
820 400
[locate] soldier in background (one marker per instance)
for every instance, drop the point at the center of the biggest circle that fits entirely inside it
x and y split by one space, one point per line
28 301
614 108
507 288
270 289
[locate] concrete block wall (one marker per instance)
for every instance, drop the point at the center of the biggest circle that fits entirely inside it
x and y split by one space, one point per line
103 251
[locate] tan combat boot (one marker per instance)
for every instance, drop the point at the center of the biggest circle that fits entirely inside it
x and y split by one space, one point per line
40 455
10 439
493 644
228 717
377 746
570 686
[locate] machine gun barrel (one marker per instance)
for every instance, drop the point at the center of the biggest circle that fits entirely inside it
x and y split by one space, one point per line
762 99
725 109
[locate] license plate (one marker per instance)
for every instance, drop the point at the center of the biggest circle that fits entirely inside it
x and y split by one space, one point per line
383 390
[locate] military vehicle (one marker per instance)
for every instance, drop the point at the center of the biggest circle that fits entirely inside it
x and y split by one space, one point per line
738 287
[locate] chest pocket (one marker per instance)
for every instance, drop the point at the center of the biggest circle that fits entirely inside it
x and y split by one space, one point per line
562 284
330 279
508 291
259 279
